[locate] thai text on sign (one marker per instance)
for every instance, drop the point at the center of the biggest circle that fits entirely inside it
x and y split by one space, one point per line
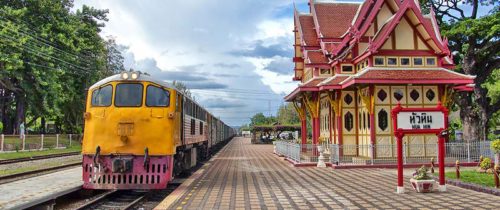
420 120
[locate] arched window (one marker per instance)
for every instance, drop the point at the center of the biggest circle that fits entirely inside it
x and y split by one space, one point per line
348 121
383 119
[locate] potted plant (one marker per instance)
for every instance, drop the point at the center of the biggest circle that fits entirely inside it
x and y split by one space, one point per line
422 182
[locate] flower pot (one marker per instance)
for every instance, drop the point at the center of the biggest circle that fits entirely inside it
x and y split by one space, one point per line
422 186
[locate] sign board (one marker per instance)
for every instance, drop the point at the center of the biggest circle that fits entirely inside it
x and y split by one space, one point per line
416 120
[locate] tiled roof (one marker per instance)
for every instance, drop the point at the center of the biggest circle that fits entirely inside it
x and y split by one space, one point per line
421 76
307 29
313 82
335 80
334 19
317 57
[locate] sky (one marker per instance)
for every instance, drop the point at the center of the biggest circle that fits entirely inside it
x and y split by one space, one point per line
234 55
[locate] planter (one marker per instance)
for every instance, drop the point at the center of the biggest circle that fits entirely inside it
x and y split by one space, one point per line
423 186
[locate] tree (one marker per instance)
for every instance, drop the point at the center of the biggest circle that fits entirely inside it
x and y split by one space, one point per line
182 88
287 115
475 42
48 57
114 57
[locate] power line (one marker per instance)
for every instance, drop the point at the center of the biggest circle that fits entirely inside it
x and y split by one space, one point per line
40 39
34 52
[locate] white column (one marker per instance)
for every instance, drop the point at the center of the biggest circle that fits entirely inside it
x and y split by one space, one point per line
70 140
2 138
41 143
57 140
24 141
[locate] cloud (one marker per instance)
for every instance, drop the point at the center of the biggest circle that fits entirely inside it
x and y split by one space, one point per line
227 65
281 65
261 51
222 104
188 74
205 85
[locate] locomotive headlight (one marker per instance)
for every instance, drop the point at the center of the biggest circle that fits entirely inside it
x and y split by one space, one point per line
134 75
124 75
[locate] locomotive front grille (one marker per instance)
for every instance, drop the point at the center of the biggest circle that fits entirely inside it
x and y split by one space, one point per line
106 175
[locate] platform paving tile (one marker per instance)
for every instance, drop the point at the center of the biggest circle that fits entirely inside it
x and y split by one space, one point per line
246 176
20 194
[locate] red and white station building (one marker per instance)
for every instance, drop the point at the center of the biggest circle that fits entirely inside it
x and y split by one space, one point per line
357 61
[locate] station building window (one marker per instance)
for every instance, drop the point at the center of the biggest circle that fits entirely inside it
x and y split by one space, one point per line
347 68
430 61
383 119
325 71
392 61
404 61
348 121
379 61
418 61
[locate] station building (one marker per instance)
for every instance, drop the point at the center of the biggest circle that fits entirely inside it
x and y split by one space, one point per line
356 61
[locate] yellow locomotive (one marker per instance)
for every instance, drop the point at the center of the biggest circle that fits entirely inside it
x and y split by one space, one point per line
140 132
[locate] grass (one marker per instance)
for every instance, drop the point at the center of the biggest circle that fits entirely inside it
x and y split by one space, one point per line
33 167
14 155
471 176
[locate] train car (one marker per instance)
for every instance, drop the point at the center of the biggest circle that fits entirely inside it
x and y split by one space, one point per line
141 132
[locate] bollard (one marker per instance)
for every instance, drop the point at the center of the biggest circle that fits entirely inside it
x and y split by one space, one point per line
57 141
432 165
457 169
496 170
2 138
41 143
70 140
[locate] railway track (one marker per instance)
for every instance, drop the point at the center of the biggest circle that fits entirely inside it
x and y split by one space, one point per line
41 157
27 174
128 199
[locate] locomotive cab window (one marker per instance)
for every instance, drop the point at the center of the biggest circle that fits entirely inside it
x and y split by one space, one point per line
128 95
156 96
102 96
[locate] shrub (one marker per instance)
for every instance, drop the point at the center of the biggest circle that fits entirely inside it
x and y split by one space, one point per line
495 146
422 174
485 164
1 127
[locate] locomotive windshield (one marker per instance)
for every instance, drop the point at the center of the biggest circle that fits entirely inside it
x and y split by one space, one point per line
102 96
128 95
156 96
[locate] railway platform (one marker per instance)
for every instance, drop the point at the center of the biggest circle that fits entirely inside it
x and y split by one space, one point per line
247 176
36 190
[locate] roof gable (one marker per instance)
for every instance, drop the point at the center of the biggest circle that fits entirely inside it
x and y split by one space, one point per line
332 20
416 20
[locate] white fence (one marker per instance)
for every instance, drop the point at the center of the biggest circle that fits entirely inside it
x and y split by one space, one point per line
38 142
384 154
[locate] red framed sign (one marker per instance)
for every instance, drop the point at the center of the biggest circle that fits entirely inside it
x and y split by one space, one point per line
420 121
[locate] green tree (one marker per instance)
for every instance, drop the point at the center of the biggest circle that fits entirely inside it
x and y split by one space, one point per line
114 57
49 56
475 42
287 115
182 88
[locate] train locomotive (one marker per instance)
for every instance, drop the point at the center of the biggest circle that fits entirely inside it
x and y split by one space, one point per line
141 132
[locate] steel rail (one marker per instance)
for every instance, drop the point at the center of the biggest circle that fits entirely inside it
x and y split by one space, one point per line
96 200
40 157
17 175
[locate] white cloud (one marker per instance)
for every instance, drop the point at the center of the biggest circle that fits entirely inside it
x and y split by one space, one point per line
176 34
